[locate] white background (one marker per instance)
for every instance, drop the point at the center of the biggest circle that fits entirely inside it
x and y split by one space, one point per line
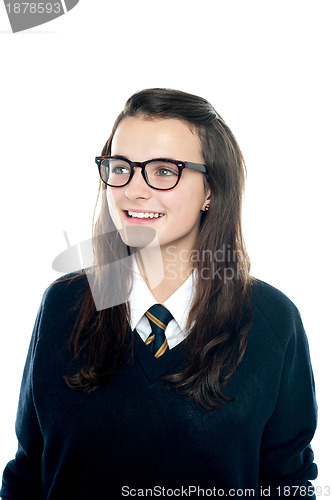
264 65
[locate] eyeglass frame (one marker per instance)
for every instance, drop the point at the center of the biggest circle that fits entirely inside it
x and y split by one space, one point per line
180 164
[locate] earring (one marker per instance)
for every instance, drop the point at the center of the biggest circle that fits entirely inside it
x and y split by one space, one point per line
207 206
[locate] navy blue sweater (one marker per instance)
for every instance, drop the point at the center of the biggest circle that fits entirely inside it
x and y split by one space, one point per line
136 433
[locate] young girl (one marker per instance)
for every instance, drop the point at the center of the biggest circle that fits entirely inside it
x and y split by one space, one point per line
166 369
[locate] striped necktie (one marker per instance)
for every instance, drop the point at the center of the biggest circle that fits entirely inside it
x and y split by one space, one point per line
159 317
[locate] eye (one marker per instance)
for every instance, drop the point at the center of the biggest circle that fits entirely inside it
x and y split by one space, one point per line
162 169
120 169
119 166
165 172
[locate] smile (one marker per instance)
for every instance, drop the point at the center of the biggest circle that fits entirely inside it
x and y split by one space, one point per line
144 215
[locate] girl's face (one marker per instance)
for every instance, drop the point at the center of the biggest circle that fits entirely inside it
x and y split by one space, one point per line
140 139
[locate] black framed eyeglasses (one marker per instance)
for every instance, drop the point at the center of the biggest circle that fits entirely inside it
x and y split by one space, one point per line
159 173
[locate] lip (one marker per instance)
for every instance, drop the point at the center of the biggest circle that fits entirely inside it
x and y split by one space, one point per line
138 220
142 210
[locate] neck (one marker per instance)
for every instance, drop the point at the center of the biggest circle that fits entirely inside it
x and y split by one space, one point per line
164 270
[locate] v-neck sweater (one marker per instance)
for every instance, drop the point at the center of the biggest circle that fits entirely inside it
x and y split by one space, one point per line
179 303
136 432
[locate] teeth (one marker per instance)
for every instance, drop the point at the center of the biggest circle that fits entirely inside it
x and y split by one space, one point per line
145 215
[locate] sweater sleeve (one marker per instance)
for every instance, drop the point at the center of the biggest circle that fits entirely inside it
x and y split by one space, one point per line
22 476
286 455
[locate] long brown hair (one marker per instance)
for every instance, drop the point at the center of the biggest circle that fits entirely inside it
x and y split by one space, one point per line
220 316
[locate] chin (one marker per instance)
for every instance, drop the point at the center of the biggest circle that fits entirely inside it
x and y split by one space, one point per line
138 237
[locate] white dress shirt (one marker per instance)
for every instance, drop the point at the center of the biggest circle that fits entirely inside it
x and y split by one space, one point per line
141 299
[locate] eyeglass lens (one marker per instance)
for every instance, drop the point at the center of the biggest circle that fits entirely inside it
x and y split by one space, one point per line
160 174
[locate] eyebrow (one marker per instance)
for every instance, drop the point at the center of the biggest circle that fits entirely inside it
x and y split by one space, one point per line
122 157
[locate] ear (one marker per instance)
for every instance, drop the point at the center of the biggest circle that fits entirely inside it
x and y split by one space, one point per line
207 200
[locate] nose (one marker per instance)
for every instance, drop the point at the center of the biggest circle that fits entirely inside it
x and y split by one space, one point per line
137 187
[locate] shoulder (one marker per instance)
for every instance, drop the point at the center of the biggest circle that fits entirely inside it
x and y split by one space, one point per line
65 292
268 297
274 314
58 311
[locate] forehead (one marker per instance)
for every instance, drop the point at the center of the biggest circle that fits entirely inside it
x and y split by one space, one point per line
140 139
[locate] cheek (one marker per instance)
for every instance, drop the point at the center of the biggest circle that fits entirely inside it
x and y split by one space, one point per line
188 204
112 200
186 217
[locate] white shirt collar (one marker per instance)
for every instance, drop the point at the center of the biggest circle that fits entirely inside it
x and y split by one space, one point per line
141 299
